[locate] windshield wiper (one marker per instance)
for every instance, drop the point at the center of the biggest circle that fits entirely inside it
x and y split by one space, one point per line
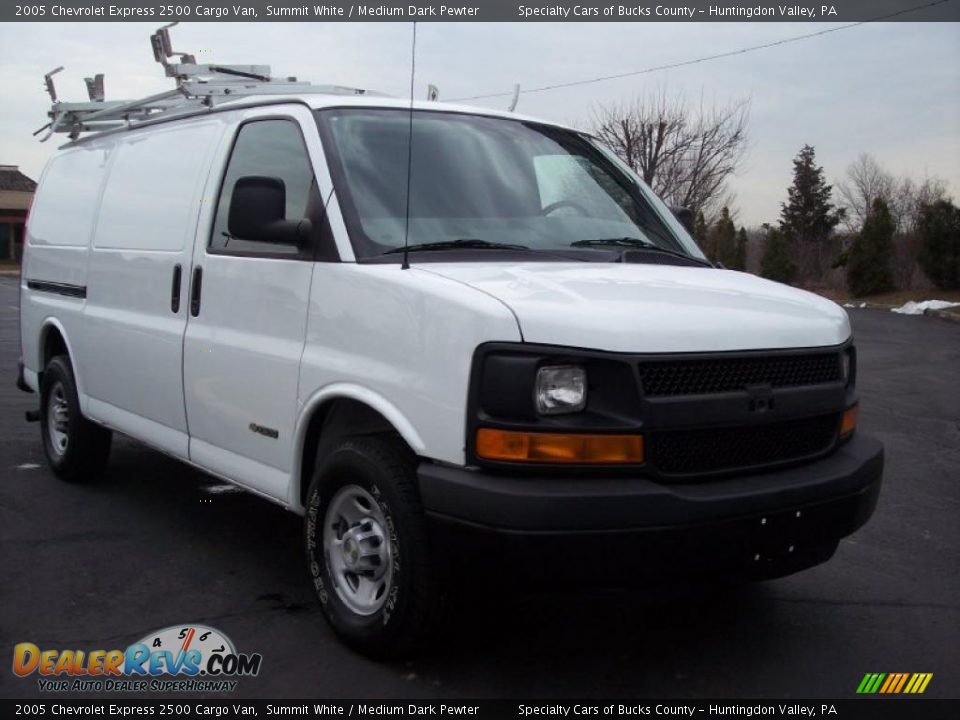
459 244
638 244
628 242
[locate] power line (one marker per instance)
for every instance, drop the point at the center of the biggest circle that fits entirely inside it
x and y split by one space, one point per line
731 53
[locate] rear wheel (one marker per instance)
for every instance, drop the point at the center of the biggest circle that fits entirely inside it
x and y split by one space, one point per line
76 449
366 547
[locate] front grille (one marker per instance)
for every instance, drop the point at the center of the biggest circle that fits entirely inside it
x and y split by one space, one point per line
717 375
687 452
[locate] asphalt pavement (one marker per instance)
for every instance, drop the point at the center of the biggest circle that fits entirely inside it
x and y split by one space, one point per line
99 566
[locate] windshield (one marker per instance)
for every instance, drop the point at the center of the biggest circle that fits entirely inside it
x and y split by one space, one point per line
486 183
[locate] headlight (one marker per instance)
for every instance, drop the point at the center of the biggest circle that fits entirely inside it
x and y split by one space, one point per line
560 389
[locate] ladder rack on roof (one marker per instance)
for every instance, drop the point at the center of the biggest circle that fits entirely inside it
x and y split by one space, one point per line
198 87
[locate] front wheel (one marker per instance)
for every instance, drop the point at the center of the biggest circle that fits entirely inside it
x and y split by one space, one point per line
76 449
367 549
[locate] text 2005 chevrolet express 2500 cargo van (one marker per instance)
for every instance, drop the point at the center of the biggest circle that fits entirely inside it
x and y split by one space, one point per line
560 374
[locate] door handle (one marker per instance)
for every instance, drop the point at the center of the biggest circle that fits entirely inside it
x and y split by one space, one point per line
175 290
195 290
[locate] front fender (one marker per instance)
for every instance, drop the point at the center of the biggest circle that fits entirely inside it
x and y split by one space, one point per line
349 391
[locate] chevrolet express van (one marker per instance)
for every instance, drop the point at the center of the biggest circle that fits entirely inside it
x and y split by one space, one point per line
441 335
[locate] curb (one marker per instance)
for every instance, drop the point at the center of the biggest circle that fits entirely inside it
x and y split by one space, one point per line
864 305
943 315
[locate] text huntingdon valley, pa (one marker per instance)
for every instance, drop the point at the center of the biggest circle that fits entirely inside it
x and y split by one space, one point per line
746 11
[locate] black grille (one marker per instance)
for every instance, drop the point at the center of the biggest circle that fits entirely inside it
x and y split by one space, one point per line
717 375
685 452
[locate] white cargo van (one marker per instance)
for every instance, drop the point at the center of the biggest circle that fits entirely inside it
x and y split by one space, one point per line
525 359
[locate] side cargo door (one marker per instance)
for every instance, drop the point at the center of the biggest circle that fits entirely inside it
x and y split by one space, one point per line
138 269
249 306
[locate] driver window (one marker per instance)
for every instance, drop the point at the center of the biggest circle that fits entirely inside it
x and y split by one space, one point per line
271 148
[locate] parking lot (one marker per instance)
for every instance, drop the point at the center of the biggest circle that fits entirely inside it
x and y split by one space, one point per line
99 566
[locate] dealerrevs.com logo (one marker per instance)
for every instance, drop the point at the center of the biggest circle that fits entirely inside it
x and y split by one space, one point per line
179 658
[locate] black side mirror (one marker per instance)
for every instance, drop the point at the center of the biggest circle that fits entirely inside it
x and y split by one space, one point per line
258 208
685 216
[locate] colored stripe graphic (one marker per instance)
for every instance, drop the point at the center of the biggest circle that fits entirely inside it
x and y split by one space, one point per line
903 681
894 683
919 682
870 683
891 679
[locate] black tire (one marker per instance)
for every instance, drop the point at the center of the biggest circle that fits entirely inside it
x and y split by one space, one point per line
385 470
76 450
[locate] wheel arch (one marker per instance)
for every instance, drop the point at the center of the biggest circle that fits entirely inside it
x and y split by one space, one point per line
53 340
336 412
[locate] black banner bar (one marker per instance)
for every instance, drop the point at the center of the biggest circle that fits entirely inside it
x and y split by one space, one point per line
164 11
793 709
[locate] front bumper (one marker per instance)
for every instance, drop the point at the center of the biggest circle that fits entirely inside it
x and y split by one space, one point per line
767 524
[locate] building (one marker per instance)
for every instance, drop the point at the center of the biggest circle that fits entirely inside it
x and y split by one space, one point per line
16 194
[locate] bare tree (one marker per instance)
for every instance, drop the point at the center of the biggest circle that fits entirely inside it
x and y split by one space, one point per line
917 196
686 154
867 180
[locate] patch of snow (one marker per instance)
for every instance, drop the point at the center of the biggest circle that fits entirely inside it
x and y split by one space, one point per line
917 308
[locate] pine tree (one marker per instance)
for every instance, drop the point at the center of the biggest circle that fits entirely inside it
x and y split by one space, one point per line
808 217
869 261
700 233
940 244
777 264
723 239
740 256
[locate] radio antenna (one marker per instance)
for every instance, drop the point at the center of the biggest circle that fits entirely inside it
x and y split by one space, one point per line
406 223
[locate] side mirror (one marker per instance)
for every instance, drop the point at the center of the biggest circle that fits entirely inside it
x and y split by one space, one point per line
685 216
258 208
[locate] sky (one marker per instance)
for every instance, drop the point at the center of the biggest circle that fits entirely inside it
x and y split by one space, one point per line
888 89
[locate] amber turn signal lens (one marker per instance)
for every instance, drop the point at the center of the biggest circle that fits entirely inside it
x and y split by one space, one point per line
512 446
849 422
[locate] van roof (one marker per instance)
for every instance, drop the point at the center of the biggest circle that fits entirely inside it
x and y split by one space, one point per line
316 101
383 101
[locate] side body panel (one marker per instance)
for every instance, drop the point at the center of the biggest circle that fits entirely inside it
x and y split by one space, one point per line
133 331
54 276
